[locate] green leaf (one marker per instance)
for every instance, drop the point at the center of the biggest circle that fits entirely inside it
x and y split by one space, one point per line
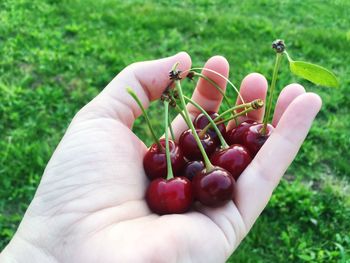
314 73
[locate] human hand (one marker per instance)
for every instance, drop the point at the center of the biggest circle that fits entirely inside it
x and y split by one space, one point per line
90 207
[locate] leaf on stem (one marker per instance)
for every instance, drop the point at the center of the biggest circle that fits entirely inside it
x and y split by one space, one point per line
314 73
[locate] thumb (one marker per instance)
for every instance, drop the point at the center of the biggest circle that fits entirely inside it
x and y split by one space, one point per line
148 79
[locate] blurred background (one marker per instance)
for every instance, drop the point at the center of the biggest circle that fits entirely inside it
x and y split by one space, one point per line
55 56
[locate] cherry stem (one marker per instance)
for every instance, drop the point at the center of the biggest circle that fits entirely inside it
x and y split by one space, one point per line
236 115
214 84
182 115
255 104
211 121
222 76
171 130
139 103
209 167
273 85
170 174
258 103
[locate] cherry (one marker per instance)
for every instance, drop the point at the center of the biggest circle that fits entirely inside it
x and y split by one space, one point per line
213 188
173 196
190 148
233 159
254 139
202 121
154 161
192 168
235 136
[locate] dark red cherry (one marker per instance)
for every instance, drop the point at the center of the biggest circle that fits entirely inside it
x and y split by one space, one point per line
190 148
201 121
214 188
253 139
172 196
192 168
235 136
233 159
154 161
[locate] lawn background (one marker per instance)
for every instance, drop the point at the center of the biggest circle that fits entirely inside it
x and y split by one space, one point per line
55 56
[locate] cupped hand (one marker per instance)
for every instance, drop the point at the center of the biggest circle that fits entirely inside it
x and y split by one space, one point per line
90 207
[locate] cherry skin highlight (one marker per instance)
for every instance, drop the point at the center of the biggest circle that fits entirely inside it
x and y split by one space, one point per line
192 168
235 136
233 159
190 148
214 188
253 139
201 121
154 161
172 196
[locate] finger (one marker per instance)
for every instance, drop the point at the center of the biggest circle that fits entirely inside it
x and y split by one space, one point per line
253 86
287 95
254 187
205 94
148 79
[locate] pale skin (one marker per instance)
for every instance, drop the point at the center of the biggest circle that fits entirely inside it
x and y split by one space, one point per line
90 207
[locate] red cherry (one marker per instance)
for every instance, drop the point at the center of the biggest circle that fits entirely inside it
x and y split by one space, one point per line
190 148
192 168
201 121
154 161
172 196
235 136
214 188
233 159
253 139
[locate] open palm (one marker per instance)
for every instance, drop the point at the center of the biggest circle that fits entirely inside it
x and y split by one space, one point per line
90 204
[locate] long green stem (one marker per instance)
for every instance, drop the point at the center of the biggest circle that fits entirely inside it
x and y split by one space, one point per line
182 115
170 174
214 84
255 104
208 165
211 121
171 130
139 103
272 88
233 117
222 76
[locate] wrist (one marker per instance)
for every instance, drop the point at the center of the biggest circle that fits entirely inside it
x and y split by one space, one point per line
20 250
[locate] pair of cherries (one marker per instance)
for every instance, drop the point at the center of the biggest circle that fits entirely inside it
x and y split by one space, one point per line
192 180
234 159
249 133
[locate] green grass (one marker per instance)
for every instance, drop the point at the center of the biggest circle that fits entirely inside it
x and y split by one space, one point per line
57 55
